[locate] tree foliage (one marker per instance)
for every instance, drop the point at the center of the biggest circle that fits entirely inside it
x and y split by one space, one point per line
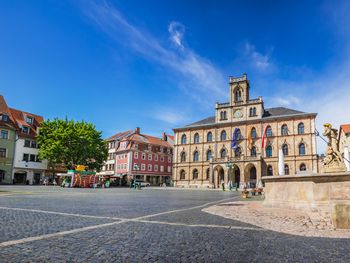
71 143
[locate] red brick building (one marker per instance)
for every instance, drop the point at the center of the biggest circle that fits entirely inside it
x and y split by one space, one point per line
148 158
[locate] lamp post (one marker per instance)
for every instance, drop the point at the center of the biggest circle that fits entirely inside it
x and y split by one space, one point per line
136 168
229 165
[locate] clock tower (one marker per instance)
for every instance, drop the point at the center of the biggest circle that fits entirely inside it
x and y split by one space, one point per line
240 107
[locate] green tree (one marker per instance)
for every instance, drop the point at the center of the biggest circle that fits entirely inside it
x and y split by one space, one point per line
71 143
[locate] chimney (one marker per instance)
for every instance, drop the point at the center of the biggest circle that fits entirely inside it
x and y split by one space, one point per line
164 137
137 131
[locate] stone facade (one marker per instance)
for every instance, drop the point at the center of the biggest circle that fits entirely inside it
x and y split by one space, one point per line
203 152
326 194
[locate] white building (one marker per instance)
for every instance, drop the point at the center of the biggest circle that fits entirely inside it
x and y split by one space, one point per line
109 167
27 167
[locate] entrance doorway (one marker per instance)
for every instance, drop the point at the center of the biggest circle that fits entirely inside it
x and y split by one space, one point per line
252 177
237 176
36 179
219 176
20 178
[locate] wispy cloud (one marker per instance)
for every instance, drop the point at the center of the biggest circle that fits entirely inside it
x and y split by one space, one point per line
177 31
287 101
256 59
170 117
199 77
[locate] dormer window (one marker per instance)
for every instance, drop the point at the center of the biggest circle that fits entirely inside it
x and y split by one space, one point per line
29 120
4 117
25 129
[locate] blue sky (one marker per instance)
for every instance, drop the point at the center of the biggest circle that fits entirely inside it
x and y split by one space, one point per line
163 64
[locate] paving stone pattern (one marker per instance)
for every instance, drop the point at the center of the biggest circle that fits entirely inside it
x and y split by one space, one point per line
135 241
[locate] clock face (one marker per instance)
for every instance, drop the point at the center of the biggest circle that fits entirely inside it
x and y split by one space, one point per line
238 114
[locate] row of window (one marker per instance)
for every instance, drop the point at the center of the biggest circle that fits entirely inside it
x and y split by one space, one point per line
150 157
109 167
302 167
31 158
253 134
30 144
111 156
5 117
238 152
150 167
150 148
122 166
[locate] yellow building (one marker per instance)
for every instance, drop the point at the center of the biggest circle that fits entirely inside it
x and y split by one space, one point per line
203 152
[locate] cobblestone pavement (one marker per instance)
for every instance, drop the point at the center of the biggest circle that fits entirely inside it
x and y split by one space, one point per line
47 224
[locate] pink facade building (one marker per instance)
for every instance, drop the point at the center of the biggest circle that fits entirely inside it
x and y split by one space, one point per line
145 157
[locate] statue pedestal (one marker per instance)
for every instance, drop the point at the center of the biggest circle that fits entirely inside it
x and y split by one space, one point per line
328 194
334 169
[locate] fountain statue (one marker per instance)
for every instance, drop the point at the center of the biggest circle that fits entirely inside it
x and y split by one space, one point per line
333 162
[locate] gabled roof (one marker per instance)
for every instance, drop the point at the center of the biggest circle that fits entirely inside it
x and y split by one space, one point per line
120 135
280 111
147 139
209 120
20 120
345 128
5 109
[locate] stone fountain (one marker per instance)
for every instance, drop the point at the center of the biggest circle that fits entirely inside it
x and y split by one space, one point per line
326 193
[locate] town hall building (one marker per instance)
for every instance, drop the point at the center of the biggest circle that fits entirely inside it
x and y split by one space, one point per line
207 155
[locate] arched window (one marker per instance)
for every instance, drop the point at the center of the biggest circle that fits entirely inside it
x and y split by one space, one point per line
182 175
195 156
238 152
302 149
250 112
225 115
285 149
254 111
208 174
238 95
183 139
183 157
269 170
196 138
253 151
286 169
221 115
269 131
253 133
284 130
268 151
209 137
208 155
238 135
223 153
195 174
302 167
223 136
301 128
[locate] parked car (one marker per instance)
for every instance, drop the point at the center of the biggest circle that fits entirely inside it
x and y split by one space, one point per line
142 183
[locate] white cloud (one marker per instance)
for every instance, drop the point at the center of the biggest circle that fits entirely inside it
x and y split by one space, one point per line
170 117
286 101
258 60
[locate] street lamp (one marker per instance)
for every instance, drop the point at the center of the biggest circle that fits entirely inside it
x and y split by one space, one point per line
136 168
229 165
